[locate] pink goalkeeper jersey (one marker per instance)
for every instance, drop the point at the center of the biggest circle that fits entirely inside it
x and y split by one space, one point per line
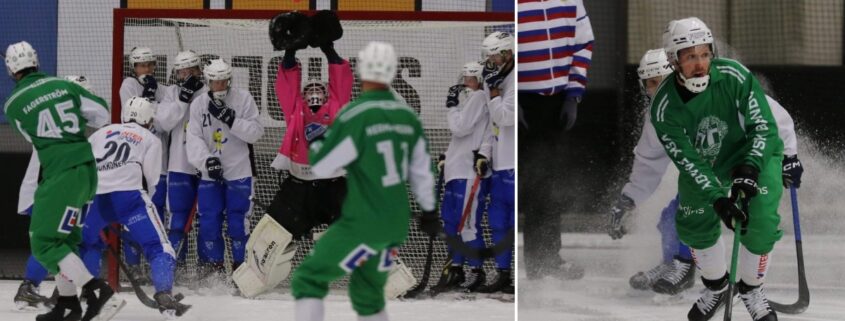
304 125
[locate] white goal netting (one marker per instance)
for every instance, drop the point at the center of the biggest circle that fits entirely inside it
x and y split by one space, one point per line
431 55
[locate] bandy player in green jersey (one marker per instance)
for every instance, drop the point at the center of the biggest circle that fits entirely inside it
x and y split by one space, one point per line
712 117
380 142
51 113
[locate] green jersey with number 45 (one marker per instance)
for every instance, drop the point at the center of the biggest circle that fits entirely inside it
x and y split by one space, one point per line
51 113
380 142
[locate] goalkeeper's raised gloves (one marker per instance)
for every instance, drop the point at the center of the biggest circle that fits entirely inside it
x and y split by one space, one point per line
430 223
618 212
214 168
188 87
452 97
150 86
219 110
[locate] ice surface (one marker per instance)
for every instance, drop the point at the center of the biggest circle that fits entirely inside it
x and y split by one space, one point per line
279 306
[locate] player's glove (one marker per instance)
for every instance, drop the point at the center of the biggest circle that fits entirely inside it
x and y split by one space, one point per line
150 86
214 168
430 223
480 163
744 182
728 212
792 170
188 87
489 68
219 110
441 163
569 112
494 80
618 212
452 97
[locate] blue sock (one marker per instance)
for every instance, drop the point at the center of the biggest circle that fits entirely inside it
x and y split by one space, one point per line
35 272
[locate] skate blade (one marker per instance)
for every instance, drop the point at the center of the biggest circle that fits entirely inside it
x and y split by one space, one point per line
110 309
24 306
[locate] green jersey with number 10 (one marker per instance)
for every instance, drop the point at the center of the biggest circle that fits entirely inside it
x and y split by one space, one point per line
380 142
51 113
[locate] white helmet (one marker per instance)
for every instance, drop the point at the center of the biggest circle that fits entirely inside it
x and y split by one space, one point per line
377 62
497 42
139 110
81 81
218 69
686 33
473 69
654 64
186 59
141 54
20 56
315 94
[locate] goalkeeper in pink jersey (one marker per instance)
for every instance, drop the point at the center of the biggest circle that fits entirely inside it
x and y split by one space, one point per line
304 201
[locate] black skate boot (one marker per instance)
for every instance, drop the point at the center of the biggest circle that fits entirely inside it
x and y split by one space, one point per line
169 305
28 297
503 280
67 309
451 278
679 277
645 280
714 296
474 280
756 302
101 302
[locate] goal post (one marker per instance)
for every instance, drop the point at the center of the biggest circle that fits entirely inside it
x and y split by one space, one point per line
432 47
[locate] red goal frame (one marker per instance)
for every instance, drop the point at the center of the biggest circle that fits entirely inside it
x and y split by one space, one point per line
120 15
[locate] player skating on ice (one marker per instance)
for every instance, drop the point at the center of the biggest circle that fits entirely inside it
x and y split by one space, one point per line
222 126
468 122
497 152
380 142
715 124
28 295
126 155
675 273
182 180
51 113
142 83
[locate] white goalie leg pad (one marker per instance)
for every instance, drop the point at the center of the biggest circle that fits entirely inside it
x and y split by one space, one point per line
268 256
399 280
711 261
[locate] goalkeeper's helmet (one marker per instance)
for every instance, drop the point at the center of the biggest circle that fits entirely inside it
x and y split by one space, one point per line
141 54
20 56
377 62
218 69
686 33
186 59
139 110
81 81
315 94
653 64
497 42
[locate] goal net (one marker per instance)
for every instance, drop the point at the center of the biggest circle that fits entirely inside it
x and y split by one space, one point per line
432 46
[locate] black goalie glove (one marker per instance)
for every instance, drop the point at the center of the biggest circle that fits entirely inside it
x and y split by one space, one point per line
618 212
290 30
188 87
792 170
214 168
452 97
430 223
150 86
218 109
325 28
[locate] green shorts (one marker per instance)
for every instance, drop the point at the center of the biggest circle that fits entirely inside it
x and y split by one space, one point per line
57 214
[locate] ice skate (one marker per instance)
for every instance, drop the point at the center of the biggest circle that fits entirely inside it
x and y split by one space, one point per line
28 297
677 278
502 281
756 303
169 305
712 299
474 280
67 309
644 280
102 304
451 278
